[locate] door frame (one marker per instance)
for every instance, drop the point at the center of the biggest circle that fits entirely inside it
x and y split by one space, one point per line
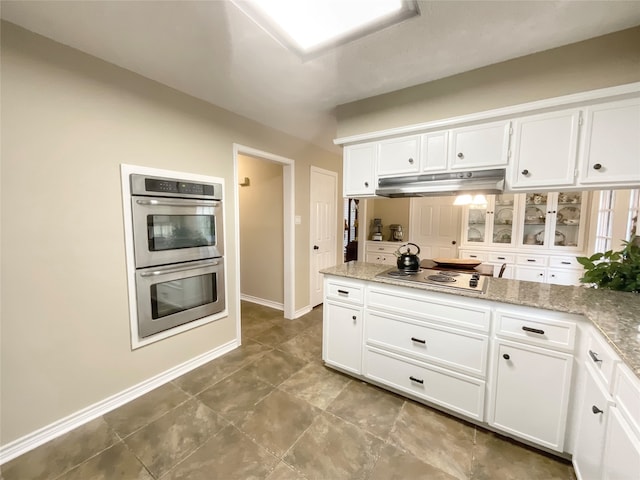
288 221
337 251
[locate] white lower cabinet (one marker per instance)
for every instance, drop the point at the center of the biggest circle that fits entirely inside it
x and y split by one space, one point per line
455 392
531 393
507 367
343 325
593 416
622 442
622 450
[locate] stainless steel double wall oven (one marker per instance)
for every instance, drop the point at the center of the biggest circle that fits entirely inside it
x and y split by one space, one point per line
179 251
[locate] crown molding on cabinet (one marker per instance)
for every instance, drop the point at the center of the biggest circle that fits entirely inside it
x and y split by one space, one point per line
609 93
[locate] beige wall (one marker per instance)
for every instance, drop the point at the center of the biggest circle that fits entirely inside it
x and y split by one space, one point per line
597 63
68 122
390 210
261 230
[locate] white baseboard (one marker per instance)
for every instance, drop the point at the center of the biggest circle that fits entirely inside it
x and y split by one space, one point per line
303 311
275 305
39 437
263 302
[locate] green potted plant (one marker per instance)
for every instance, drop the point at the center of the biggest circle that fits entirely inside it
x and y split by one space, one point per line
614 270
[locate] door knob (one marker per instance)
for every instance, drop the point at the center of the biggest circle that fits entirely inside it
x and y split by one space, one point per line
316 247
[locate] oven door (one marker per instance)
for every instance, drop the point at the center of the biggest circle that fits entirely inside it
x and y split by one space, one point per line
173 295
173 230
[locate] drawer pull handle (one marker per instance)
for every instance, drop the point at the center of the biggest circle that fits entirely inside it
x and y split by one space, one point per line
501 258
531 259
565 263
417 340
594 356
596 410
533 330
343 292
417 380
506 356
473 256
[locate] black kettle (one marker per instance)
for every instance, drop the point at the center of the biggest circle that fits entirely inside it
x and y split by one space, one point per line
407 261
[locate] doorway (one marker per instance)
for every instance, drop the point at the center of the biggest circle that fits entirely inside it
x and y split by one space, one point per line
287 214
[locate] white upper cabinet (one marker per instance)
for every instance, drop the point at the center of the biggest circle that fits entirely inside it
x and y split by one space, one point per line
544 150
612 143
434 151
358 170
399 155
479 146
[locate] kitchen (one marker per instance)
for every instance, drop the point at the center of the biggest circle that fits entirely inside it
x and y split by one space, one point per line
62 107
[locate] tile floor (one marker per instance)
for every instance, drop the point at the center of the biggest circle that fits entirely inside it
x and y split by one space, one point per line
271 410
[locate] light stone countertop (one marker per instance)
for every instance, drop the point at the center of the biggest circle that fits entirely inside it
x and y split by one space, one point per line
615 314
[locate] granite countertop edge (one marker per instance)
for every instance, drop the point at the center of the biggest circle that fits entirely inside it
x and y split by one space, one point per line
615 314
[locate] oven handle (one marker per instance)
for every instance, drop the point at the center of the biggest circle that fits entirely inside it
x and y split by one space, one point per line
191 203
164 271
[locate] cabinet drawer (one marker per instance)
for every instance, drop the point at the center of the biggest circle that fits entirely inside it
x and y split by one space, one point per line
602 358
502 258
473 254
546 332
402 301
463 351
375 247
538 260
384 258
627 396
345 291
455 392
564 262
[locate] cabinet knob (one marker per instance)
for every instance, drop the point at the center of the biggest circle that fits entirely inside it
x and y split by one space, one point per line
453 242
354 317
525 172
461 155
411 161
366 184
506 356
596 410
597 166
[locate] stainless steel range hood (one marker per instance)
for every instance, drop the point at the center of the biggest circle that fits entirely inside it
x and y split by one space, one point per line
442 184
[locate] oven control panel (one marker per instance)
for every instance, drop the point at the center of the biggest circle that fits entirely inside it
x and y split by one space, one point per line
171 187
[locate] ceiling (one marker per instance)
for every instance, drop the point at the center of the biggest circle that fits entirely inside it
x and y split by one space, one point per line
210 50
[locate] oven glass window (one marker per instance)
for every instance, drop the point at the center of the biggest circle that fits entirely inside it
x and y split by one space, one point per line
176 296
171 232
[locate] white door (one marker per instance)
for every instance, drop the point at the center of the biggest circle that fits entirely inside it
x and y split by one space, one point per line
435 226
323 225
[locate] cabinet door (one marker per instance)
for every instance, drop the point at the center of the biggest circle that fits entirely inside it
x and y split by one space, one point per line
594 412
433 151
476 229
558 276
622 449
612 144
501 216
358 170
534 212
399 155
531 393
530 274
569 217
342 336
545 148
479 146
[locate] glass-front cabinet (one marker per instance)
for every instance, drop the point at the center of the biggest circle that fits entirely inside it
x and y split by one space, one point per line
493 223
552 220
